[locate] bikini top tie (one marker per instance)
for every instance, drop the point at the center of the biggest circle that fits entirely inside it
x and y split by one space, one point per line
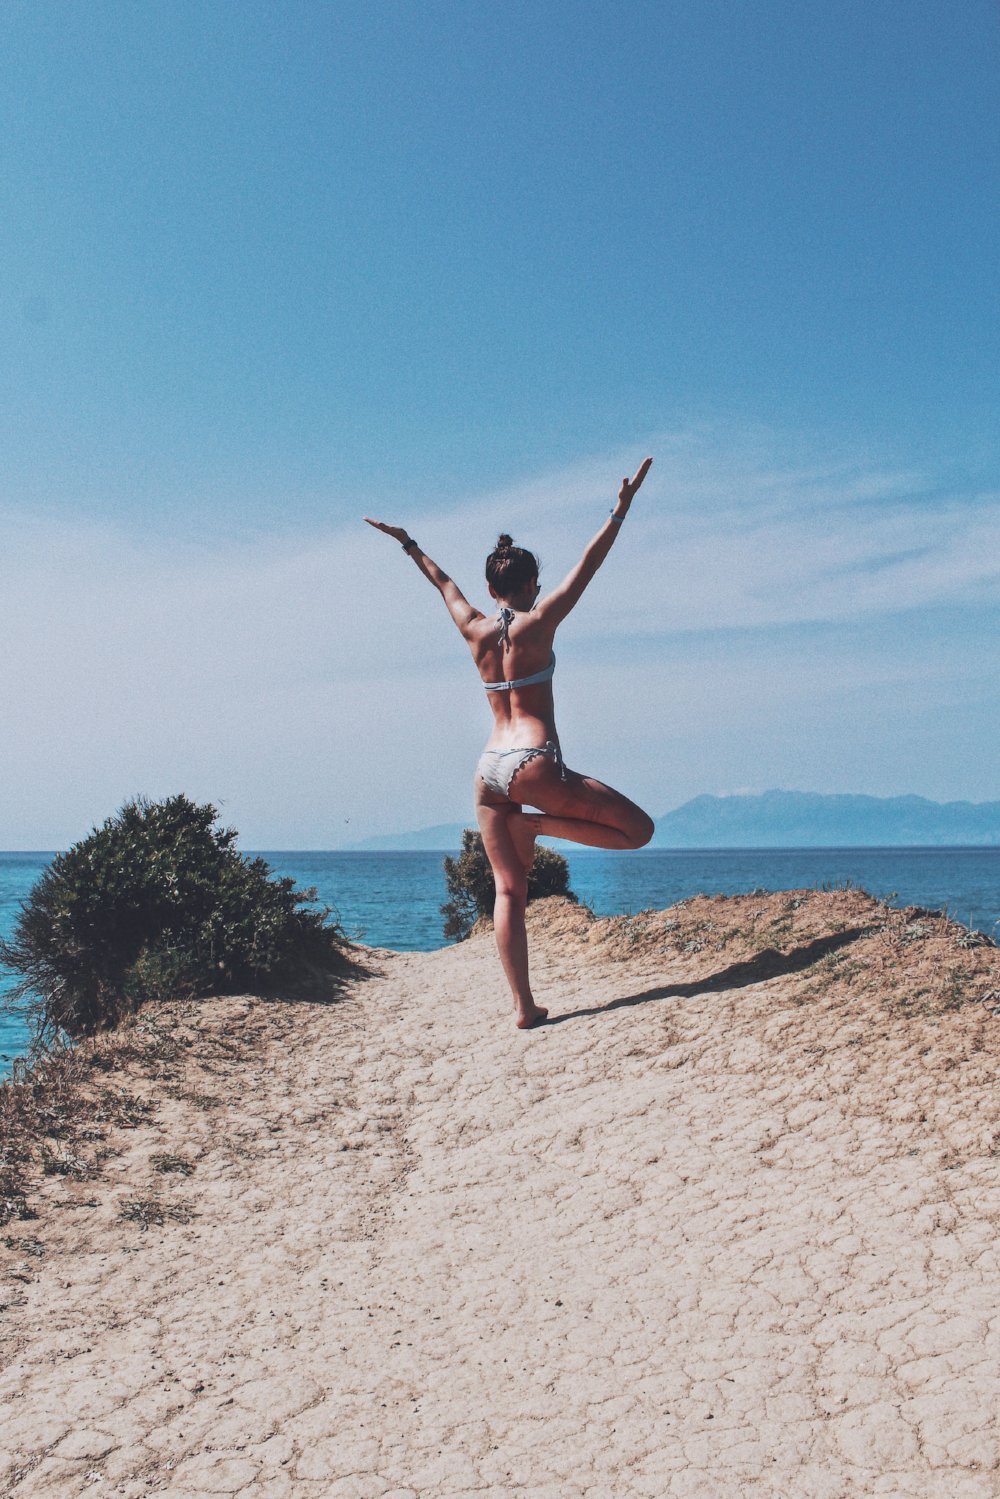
504 621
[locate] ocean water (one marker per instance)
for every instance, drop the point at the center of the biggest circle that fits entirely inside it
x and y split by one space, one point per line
394 899
18 872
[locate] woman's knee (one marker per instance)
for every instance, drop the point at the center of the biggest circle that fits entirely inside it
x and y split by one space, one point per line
512 886
641 828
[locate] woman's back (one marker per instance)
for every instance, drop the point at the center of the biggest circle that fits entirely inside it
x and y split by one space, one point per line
509 647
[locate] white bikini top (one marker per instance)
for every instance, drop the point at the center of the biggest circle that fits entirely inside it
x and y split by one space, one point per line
545 675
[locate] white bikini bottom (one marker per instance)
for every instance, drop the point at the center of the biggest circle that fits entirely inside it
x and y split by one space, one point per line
499 767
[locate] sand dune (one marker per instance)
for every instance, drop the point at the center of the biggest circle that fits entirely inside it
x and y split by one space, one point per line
728 1227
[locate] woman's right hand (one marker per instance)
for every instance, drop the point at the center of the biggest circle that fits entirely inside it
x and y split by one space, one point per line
396 532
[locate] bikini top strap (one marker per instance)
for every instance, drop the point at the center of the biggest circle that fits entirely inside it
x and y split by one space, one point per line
545 675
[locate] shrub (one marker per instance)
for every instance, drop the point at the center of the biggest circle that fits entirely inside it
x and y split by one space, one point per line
473 890
155 904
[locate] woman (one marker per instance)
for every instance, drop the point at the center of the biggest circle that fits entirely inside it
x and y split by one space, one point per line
522 763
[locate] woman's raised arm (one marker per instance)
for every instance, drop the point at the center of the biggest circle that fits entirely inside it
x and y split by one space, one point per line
556 605
458 606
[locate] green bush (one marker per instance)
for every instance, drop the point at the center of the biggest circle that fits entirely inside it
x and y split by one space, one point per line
155 904
473 891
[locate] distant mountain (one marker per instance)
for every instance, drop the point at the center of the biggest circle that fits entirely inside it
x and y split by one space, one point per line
775 819
803 819
445 837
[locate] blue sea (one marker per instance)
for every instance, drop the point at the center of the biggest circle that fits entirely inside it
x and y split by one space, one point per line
394 899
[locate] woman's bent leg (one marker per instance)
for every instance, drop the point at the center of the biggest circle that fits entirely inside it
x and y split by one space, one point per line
578 830
579 808
511 880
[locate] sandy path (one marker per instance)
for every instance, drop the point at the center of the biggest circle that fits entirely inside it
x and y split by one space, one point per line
711 1243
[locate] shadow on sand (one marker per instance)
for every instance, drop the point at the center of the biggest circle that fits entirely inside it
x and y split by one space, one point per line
768 964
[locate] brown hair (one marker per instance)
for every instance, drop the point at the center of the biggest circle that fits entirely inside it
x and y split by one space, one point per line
509 568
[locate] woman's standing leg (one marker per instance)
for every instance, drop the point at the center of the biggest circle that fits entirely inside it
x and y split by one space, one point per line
511 878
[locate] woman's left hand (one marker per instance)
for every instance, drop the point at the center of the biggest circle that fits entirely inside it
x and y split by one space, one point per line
629 486
396 532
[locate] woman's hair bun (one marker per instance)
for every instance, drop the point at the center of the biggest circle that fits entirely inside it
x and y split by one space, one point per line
509 567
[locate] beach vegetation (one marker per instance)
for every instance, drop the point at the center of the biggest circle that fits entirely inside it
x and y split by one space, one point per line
63 1163
169 1161
155 904
49 1125
151 1210
60 1119
472 889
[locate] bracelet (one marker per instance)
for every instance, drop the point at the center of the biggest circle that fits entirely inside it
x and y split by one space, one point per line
616 518
408 545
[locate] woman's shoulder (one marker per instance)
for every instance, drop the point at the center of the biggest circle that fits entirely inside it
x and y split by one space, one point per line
483 629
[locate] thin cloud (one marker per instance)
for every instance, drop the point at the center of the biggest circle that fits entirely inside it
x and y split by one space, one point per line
284 673
722 537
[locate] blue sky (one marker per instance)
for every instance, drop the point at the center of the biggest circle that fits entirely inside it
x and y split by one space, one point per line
268 268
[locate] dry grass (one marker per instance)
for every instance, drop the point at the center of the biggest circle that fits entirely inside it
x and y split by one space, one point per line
51 1117
56 1115
147 1210
916 961
167 1161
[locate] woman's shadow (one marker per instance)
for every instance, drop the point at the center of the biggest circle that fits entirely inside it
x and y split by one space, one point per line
768 964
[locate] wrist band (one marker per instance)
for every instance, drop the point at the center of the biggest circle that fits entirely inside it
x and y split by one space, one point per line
408 545
616 518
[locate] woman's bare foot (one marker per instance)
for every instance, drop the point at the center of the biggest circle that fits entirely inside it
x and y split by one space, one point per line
523 832
527 1018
